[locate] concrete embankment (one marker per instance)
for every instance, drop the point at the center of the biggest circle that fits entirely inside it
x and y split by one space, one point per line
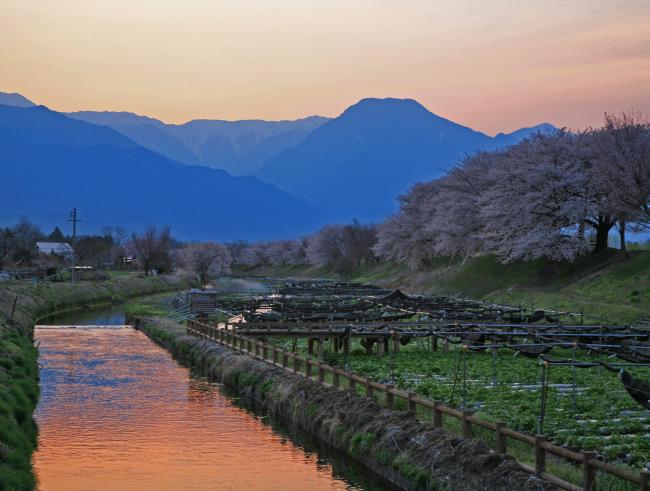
408 452
21 305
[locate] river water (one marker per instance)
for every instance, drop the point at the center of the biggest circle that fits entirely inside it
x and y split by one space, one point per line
116 412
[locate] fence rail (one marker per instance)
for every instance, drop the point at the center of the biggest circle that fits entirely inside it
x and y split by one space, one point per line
318 371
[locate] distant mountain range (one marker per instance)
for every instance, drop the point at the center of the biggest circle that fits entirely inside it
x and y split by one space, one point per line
52 163
238 147
351 166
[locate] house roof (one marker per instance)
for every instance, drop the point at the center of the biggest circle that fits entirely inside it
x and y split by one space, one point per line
54 248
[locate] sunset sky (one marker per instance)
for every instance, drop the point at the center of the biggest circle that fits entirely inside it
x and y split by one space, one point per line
493 68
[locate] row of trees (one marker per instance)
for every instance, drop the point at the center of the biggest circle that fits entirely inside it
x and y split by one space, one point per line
18 246
339 247
153 250
555 195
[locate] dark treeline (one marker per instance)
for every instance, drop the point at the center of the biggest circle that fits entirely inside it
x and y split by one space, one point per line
152 251
19 250
113 248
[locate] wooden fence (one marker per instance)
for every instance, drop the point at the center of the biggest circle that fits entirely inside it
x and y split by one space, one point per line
318 371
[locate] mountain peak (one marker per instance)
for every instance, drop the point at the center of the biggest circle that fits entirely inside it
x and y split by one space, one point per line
374 104
521 133
14 99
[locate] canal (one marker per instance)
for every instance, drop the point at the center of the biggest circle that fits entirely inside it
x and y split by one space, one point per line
116 412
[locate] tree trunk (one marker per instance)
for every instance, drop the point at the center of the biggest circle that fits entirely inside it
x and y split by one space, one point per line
605 223
621 232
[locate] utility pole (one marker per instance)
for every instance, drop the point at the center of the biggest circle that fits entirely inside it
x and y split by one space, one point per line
73 218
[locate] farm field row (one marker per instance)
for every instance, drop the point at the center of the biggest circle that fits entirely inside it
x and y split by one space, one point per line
586 408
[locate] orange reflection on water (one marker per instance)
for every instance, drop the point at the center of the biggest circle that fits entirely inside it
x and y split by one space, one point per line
117 413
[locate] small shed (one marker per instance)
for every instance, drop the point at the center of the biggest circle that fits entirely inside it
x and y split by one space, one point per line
201 301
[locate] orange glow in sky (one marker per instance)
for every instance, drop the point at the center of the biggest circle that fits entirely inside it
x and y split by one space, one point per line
495 66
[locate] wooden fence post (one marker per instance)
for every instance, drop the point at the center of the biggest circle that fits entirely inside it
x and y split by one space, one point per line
296 364
285 359
396 344
412 405
275 355
437 414
380 347
588 472
390 399
310 346
352 385
467 425
308 367
321 372
540 454
335 378
501 446
645 480
369 391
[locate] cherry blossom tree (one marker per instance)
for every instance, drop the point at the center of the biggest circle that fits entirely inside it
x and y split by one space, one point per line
324 248
455 209
206 260
622 169
539 201
405 237
342 247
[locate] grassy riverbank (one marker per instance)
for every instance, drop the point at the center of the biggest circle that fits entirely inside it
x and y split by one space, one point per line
606 286
18 357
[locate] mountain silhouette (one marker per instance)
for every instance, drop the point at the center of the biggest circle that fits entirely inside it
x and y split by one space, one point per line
52 163
351 166
358 163
239 147
14 99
